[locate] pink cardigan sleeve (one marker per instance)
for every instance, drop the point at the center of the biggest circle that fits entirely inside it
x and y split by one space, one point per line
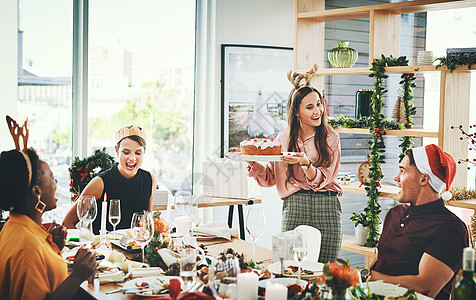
327 176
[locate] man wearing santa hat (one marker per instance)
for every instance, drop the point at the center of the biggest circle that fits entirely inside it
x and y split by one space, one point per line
421 245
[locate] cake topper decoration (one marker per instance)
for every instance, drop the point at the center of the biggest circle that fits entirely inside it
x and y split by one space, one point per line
16 131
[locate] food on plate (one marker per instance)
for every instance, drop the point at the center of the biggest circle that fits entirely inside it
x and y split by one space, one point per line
292 270
358 293
133 244
260 146
141 284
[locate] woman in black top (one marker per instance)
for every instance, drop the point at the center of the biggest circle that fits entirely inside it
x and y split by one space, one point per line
124 181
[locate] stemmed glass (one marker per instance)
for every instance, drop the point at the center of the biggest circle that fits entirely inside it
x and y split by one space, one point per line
182 202
114 214
142 227
86 210
222 277
299 248
255 226
193 218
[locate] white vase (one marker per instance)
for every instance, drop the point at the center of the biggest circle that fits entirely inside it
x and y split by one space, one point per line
361 234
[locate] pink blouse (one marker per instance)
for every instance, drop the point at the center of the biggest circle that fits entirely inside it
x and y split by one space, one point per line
274 173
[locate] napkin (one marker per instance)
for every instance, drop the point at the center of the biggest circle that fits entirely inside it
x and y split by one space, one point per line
143 272
117 276
132 264
218 229
175 288
169 257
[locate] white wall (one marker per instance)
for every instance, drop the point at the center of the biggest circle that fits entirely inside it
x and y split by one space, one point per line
246 22
9 68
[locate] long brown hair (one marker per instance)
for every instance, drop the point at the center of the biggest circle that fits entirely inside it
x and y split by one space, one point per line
294 126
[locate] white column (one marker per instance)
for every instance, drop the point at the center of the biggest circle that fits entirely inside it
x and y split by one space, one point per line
8 69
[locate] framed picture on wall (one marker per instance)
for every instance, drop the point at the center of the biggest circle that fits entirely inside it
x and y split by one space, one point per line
254 92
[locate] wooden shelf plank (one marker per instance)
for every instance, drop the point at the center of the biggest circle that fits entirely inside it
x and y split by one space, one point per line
388 70
387 191
395 8
470 203
402 132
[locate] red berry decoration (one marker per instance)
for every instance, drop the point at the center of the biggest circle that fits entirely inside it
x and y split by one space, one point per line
248 139
376 129
265 141
377 134
272 139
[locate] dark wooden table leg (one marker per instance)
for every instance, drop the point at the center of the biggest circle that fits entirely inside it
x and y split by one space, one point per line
230 216
241 221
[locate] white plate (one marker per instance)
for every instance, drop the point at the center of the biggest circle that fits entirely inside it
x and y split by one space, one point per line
284 281
157 280
313 266
124 247
260 158
387 290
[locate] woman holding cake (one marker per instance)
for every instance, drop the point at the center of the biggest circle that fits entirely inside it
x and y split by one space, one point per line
307 180
125 181
31 264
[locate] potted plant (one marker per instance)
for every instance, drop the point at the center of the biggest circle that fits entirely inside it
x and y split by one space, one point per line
361 223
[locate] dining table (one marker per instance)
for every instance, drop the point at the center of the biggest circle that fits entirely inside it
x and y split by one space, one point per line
94 290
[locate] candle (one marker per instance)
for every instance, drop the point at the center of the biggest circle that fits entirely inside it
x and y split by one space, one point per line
103 217
276 291
247 286
181 225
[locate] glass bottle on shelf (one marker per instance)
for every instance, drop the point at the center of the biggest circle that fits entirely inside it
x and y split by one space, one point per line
465 288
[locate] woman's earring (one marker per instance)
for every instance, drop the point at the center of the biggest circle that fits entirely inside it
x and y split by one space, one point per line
40 205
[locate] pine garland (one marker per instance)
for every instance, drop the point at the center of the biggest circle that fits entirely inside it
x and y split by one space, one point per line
407 83
377 145
364 122
457 59
82 171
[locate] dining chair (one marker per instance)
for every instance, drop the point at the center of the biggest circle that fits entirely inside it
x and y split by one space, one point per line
313 236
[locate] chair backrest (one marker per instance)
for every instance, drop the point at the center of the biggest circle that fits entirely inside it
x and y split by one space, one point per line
313 241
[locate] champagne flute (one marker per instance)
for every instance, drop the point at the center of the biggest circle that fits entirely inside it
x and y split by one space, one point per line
299 248
86 210
142 228
182 202
114 214
255 226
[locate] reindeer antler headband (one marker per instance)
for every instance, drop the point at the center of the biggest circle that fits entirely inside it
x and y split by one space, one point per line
16 131
300 80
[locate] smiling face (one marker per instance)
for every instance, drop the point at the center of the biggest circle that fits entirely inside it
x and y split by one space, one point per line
410 180
47 186
131 155
310 111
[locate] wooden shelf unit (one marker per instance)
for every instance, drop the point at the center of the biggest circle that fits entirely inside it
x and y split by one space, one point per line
403 132
384 39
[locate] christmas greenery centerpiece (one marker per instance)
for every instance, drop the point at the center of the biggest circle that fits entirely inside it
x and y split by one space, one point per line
82 171
339 276
159 240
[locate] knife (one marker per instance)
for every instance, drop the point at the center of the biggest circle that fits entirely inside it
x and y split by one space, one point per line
123 289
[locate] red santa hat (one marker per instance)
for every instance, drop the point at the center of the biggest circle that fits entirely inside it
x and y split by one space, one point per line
439 165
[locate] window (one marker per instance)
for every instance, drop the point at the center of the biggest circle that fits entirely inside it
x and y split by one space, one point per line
44 83
141 62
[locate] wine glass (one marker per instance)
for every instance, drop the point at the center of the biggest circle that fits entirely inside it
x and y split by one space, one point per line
193 218
142 228
114 214
182 202
255 226
299 248
223 277
188 266
86 210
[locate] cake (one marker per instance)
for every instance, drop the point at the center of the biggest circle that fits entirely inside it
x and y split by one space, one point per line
260 146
